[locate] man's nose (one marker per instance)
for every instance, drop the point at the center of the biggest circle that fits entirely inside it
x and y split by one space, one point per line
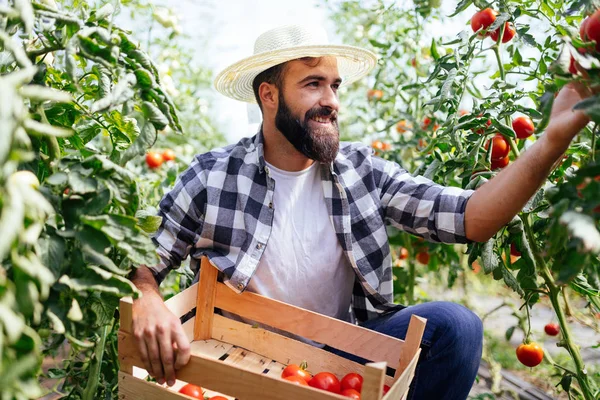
330 99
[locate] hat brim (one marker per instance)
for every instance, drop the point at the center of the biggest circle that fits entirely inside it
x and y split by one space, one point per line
236 80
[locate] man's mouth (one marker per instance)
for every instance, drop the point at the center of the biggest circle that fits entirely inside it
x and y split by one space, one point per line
322 120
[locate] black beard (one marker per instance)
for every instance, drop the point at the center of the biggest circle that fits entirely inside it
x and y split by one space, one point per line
317 144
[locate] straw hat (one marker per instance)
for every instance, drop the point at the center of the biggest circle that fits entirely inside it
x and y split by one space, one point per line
287 43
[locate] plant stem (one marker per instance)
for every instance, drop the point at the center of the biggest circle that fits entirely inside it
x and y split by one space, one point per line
568 310
410 294
89 392
553 293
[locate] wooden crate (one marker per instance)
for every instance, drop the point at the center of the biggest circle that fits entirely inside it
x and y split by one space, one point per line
245 362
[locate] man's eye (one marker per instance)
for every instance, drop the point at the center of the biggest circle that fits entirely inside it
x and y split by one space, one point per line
314 84
336 86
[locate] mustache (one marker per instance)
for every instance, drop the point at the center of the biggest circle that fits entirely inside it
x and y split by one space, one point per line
321 112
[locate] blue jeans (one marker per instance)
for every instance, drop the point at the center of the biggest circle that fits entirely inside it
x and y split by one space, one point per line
451 348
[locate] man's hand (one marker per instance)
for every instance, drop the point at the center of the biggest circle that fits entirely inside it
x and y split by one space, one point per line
565 122
161 341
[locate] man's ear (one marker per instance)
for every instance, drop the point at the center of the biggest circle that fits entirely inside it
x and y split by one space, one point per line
269 95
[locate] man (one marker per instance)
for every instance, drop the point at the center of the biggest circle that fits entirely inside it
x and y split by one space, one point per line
294 215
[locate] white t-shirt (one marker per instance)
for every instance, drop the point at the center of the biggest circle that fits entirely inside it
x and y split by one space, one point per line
303 263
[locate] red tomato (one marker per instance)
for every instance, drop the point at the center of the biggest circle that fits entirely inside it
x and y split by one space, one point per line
296 370
403 126
523 127
353 394
530 354
296 379
168 155
154 159
377 145
192 391
573 66
423 257
509 33
403 254
426 122
386 388
592 29
326 381
552 329
514 251
218 398
500 147
501 163
352 381
375 94
488 123
582 29
483 19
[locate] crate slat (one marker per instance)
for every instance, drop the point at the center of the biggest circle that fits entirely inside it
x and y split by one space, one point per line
399 389
274 369
245 359
283 349
210 348
132 388
350 338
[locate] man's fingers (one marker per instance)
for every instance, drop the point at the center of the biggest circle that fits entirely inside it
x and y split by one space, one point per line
166 355
141 344
154 357
183 348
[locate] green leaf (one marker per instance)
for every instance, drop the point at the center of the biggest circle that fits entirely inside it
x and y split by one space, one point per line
40 129
582 227
154 115
503 129
98 280
57 179
460 7
82 184
509 333
489 258
147 221
42 93
434 51
144 141
94 257
511 281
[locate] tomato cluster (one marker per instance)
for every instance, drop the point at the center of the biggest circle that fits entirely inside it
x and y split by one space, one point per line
155 159
350 385
483 19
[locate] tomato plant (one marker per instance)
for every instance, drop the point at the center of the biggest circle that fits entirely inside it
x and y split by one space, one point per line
82 103
476 88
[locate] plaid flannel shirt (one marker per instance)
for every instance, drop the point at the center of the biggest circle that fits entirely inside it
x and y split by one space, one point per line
222 207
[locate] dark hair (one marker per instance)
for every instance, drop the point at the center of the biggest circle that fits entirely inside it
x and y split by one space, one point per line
274 76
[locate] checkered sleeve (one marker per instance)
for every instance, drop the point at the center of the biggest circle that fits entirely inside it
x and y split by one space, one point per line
422 207
182 212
